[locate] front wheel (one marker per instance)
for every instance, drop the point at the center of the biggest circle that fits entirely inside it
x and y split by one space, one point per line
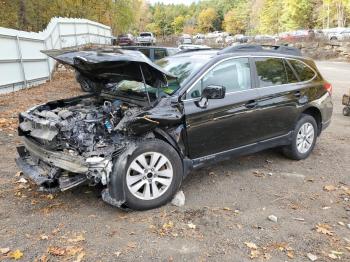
304 138
346 111
153 175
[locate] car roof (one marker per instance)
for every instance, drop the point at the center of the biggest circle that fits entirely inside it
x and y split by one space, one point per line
234 52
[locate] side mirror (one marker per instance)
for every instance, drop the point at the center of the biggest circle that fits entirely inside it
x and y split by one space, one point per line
211 92
214 92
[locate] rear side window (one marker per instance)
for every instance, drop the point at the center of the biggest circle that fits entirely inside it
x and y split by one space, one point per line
291 78
304 72
159 54
271 71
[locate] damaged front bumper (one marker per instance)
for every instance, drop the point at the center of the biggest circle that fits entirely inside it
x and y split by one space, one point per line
59 171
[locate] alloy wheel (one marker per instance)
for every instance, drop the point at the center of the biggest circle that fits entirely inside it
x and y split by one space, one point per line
149 175
305 137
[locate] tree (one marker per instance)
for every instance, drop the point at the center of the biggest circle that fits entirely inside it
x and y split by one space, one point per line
206 19
236 20
297 14
270 21
178 24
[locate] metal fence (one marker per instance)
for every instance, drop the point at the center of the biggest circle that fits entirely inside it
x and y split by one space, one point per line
23 65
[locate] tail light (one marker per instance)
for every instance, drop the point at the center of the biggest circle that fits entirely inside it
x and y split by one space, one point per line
328 87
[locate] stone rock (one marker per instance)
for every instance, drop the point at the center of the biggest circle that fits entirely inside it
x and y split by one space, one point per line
273 218
312 257
179 199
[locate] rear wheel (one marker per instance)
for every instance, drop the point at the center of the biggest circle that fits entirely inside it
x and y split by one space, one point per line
304 138
153 175
346 111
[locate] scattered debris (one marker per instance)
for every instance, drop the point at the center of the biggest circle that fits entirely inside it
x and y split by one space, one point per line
251 245
335 254
179 199
312 257
298 218
192 226
348 226
22 180
272 218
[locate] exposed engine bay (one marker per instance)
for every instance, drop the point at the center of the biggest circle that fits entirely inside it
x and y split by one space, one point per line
90 130
82 127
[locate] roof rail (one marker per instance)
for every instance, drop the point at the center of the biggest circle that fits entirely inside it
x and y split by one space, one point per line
282 49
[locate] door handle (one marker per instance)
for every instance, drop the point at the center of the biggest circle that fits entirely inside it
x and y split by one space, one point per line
297 94
251 104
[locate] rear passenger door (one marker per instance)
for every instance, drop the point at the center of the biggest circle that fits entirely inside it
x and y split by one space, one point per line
279 94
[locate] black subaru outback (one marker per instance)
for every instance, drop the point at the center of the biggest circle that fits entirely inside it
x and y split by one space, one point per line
145 126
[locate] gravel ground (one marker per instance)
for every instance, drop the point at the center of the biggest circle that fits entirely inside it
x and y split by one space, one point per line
225 217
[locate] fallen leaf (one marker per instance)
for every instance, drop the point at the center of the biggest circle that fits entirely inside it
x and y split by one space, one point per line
44 237
17 254
50 196
73 250
290 254
227 209
254 254
168 225
18 174
78 238
4 250
192 226
56 251
324 229
43 258
80 257
329 188
251 245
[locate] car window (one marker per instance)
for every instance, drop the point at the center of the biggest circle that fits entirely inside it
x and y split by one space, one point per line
159 54
291 78
271 71
233 74
304 72
145 51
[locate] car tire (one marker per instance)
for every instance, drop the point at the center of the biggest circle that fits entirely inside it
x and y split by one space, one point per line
160 180
84 83
304 138
346 111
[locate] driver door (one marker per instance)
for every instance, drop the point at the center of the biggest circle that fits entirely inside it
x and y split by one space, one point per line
226 123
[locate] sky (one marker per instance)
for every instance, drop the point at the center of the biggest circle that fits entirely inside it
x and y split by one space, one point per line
187 2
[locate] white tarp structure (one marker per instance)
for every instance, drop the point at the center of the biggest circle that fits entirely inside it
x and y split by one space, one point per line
23 65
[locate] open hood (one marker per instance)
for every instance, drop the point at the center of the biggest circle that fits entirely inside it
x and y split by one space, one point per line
112 66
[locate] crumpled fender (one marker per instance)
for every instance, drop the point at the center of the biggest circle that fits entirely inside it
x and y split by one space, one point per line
114 194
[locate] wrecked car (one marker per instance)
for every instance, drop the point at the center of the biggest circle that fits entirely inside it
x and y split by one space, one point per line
145 126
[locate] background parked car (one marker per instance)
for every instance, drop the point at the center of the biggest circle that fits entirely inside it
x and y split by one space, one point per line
146 38
125 39
185 39
342 35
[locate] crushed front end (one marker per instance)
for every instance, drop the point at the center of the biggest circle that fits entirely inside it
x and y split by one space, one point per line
70 142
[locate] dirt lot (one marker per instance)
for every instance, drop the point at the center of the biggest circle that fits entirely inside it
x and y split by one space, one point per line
225 217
